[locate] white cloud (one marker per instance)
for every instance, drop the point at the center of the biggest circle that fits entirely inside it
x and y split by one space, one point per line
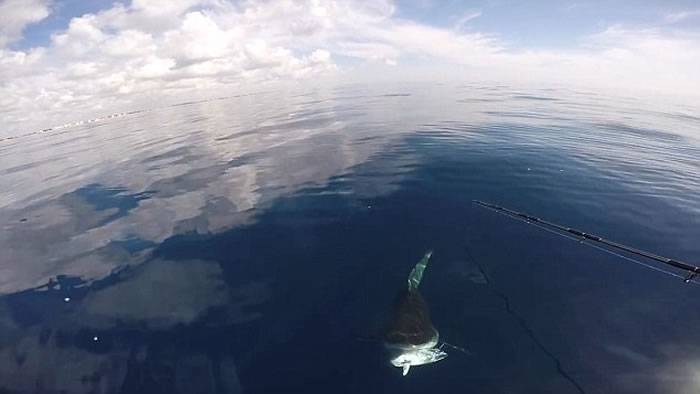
117 58
15 15
464 19
676 17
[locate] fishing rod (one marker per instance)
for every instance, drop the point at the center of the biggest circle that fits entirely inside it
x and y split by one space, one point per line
692 270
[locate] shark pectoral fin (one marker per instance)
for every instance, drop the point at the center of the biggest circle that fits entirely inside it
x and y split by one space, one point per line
406 368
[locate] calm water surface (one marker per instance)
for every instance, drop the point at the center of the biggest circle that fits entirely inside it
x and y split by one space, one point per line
252 244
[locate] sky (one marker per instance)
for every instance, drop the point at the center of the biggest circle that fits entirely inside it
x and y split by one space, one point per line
71 60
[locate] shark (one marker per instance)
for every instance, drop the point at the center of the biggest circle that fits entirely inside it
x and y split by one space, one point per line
410 337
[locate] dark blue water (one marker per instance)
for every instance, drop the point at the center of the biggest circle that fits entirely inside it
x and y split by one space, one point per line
254 243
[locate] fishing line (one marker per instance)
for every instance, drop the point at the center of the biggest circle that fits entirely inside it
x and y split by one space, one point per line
524 324
454 347
582 237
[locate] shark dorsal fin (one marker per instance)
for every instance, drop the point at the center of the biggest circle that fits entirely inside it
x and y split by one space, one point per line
416 274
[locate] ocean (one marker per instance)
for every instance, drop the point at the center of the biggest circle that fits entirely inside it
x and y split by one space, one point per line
254 243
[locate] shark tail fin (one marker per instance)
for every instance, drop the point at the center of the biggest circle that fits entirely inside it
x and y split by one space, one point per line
416 274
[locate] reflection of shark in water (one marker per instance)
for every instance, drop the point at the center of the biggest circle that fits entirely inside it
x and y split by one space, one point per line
410 336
